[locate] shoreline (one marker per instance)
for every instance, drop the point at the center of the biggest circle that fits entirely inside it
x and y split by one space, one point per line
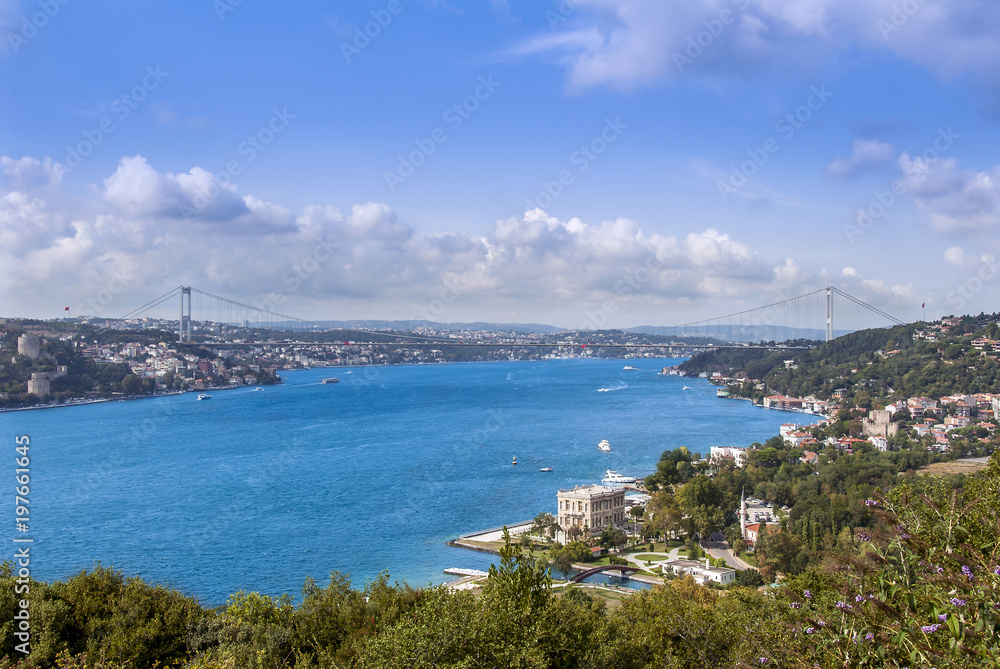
131 398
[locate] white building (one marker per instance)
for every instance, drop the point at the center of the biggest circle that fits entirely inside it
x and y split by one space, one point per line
702 572
591 506
729 452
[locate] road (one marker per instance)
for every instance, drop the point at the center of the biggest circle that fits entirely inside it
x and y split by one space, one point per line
718 547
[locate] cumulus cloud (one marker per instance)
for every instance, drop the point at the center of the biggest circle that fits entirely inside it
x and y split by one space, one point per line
955 200
644 41
131 234
873 290
865 155
954 255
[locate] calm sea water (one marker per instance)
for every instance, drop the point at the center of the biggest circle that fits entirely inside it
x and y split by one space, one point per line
258 490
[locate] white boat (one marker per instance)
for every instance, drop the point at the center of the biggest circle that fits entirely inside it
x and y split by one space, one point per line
631 368
257 389
204 396
605 445
686 388
611 476
545 469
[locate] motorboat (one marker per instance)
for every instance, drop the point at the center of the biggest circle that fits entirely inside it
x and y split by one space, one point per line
204 396
605 445
332 379
257 389
545 469
631 368
515 460
611 476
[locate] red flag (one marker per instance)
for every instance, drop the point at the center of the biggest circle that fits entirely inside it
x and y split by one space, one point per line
922 304
66 309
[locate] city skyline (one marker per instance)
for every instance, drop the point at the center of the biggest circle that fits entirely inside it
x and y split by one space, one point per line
529 161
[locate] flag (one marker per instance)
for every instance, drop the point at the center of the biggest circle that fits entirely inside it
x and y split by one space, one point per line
66 309
921 305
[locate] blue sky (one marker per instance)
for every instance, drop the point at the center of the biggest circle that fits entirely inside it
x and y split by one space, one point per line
263 152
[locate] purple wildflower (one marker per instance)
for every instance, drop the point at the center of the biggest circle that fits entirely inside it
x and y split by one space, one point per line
807 593
843 605
763 660
869 636
942 617
996 570
864 536
809 630
967 571
795 605
859 598
957 602
939 569
930 629
870 502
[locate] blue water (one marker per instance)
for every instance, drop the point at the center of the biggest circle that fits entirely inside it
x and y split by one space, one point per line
258 490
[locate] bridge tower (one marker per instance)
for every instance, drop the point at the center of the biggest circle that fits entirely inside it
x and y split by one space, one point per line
184 319
829 313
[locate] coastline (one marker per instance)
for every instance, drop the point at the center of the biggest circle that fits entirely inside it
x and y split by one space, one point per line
130 398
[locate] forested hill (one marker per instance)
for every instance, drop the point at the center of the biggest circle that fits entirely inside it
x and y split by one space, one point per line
907 360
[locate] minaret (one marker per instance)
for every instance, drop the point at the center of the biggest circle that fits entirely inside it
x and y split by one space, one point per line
743 515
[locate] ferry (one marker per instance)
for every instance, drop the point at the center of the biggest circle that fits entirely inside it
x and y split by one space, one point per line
204 396
611 476
605 445
332 379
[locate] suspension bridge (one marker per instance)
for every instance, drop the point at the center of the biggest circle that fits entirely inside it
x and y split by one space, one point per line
794 322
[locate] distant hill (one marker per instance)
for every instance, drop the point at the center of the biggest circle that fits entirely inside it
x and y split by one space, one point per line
407 326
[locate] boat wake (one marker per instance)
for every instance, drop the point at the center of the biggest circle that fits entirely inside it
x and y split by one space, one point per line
621 386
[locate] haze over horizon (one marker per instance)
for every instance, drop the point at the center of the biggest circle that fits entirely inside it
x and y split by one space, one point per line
512 161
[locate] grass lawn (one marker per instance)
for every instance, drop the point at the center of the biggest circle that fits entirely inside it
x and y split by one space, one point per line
649 557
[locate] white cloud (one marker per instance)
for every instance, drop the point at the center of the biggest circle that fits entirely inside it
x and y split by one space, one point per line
865 154
954 200
954 255
639 39
874 291
533 264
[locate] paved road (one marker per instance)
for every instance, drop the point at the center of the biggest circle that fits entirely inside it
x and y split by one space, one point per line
718 547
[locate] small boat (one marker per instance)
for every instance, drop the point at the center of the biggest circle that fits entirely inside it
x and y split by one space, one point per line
686 388
545 469
204 396
611 476
631 368
605 445
515 460
332 379
257 389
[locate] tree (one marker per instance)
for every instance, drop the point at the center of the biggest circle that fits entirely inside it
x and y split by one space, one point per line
665 513
131 384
